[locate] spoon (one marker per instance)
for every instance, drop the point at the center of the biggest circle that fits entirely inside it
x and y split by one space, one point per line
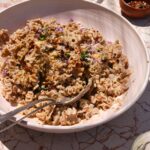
50 101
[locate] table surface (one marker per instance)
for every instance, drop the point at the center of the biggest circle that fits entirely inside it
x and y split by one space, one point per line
118 134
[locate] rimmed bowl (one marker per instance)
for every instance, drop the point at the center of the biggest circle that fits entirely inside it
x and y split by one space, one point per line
111 25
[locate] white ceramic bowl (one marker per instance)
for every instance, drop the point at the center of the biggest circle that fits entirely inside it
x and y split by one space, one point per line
91 15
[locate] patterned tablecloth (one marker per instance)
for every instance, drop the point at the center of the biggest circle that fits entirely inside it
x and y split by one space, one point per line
118 134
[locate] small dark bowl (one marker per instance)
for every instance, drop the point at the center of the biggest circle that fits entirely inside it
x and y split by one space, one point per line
134 12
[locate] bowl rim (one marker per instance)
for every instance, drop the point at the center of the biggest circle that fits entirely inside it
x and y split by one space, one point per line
134 9
84 126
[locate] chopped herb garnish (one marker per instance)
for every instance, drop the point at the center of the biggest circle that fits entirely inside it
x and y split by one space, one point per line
97 48
18 65
37 90
42 37
67 54
84 55
57 56
103 57
48 48
43 87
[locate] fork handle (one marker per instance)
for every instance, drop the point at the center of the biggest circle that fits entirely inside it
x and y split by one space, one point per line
10 114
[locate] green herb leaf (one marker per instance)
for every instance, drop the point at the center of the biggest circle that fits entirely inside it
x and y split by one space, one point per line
43 87
42 37
67 54
46 49
84 55
103 57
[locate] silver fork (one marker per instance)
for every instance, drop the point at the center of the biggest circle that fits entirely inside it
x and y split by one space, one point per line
65 101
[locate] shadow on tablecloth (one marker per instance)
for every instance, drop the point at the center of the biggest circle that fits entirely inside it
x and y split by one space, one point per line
142 22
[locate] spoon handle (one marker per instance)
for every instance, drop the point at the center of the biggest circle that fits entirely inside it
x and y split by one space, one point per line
19 120
10 114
